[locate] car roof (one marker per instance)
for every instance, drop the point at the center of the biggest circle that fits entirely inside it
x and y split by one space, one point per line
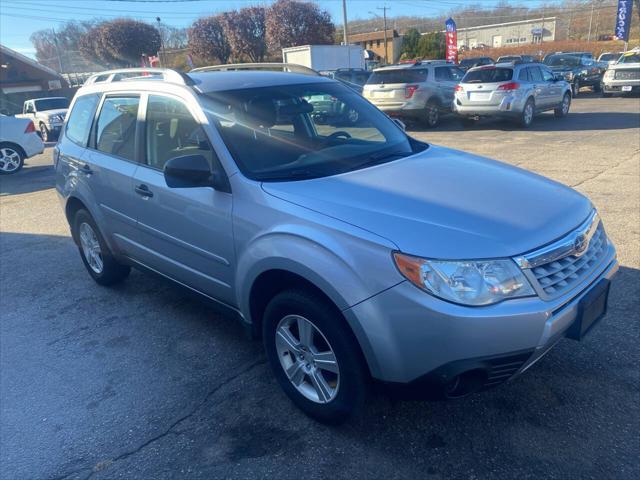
48 98
235 80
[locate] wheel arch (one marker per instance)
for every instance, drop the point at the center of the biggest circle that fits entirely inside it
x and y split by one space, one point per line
16 147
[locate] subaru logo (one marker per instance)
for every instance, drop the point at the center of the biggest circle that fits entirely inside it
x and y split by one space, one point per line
580 245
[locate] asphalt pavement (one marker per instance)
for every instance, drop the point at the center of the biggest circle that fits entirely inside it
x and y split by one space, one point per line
143 381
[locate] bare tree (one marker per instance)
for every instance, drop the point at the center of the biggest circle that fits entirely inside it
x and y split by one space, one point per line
245 31
207 40
291 23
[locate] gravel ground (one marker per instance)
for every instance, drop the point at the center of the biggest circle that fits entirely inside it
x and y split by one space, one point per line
144 381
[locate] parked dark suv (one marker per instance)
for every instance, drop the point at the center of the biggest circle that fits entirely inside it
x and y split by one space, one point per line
578 71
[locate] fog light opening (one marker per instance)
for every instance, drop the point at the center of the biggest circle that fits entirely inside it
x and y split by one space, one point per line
465 384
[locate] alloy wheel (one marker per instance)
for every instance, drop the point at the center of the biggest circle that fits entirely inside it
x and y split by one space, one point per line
432 115
565 104
91 248
307 359
353 116
9 160
44 133
528 113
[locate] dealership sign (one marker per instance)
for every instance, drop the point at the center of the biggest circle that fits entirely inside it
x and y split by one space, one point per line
452 41
623 19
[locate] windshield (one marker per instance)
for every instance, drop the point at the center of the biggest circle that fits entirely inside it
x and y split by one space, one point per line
634 58
403 75
513 58
607 57
51 104
488 75
297 132
563 61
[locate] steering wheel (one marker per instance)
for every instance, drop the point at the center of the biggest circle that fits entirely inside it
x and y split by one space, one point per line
334 136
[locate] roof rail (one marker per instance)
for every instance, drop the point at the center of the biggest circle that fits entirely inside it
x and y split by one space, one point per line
285 67
122 74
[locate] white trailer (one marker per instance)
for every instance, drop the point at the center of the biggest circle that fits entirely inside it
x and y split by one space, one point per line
325 57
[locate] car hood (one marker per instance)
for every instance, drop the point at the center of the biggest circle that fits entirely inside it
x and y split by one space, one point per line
564 68
624 66
57 111
447 204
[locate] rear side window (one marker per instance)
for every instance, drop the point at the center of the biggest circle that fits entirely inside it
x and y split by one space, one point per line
81 117
488 75
171 131
523 76
448 74
399 76
116 127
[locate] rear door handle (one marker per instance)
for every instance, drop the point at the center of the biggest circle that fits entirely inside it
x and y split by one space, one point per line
143 190
86 169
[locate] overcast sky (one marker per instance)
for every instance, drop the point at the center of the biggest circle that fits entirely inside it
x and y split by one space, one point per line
20 18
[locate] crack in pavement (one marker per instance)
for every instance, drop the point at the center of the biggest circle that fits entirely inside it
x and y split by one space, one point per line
106 463
606 170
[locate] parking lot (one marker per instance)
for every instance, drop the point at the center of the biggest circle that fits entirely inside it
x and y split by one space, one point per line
144 381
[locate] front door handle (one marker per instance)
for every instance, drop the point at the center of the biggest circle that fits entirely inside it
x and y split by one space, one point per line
86 169
143 190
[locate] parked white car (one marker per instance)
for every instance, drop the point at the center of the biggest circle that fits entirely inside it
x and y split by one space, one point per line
18 141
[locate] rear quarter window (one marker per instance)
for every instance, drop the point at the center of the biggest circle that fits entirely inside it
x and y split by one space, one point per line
81 118
488 75
398 76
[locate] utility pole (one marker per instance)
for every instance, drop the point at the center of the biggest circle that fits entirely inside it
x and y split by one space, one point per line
345 32
590 22
163 55
542 29
384 16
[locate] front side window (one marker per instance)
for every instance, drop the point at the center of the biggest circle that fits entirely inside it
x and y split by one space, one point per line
116 127
630 58
547 76
81 118
302 131
562 61
534 74
171 131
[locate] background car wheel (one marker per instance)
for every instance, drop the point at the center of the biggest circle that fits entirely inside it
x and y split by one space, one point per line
605 94
432 115
526 118
95 253
44 133
314 356
11 158
563 108
575 88
352 116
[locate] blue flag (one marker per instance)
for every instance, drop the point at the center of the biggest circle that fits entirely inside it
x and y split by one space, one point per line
623 19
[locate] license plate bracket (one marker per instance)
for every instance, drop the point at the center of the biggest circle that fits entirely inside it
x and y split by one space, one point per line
591 308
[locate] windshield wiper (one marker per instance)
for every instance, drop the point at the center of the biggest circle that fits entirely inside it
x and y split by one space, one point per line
378 158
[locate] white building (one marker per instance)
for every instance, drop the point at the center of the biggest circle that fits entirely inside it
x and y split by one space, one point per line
508 34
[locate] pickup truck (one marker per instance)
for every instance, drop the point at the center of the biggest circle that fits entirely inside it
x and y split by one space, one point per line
47 114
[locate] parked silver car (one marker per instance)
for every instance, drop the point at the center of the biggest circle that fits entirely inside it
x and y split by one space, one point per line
515 91
419 91
354 253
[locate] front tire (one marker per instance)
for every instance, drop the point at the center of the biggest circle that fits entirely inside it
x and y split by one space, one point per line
11 159
44 133
526 117
95 253
563 108
314 356
575 88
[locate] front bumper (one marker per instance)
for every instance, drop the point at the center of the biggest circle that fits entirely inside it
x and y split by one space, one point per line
617 86
407 334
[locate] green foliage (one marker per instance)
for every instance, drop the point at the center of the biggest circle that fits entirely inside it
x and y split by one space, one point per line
410 43
432 46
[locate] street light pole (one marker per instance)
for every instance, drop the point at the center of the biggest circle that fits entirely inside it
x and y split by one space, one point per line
590 22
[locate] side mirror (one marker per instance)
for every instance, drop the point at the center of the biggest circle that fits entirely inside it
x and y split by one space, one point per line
188 171
558 77
399 123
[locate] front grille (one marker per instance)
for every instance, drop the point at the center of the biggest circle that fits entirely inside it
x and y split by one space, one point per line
627 74
560 276
503 368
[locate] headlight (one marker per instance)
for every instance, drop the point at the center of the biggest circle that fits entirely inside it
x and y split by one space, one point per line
469 282
584 72
569 75
609 74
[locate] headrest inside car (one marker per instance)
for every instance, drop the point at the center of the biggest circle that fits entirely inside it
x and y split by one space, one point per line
296 109
260 113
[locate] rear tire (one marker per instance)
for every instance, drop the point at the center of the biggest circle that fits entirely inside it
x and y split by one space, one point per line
329 395
95 254
526 117
563 108
575 89
432 115
11 159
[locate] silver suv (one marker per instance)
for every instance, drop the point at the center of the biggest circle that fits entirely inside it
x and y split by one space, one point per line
514 91
354 252
418 91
